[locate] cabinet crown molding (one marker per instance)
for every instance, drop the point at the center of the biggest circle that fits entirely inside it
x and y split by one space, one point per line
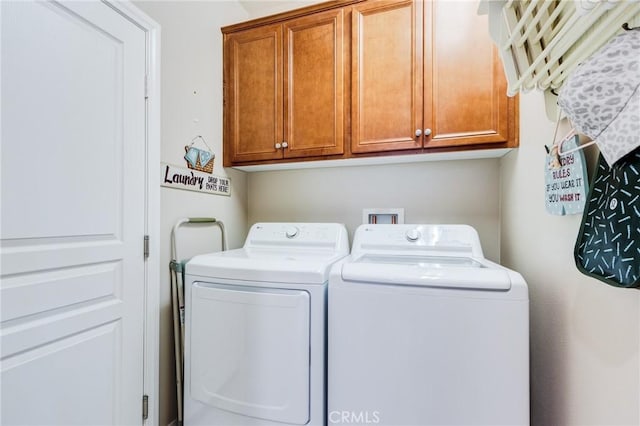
295 13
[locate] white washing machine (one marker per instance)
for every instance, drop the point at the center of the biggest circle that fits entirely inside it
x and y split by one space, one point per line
423 330
256 327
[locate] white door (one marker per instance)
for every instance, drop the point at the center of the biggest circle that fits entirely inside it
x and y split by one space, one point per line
73 214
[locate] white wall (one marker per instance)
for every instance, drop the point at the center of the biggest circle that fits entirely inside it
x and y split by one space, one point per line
585 359
192 89
431 192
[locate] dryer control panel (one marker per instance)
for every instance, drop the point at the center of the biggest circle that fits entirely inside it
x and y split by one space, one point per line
312 235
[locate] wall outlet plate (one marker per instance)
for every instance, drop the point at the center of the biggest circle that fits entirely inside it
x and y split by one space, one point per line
378 216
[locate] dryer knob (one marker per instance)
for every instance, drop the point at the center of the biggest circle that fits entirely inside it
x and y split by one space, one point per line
413 235
291 232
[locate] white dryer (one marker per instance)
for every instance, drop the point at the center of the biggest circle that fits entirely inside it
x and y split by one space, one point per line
256 327
423 330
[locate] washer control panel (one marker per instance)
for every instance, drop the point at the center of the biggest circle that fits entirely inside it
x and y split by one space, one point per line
427 238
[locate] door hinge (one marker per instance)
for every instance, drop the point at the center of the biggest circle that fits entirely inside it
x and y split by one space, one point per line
146 87
146 247
145 407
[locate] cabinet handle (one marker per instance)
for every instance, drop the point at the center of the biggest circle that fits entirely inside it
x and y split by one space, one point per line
285 144
278 146
418 133
427 132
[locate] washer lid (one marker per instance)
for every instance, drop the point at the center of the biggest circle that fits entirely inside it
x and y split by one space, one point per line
300 266
429 271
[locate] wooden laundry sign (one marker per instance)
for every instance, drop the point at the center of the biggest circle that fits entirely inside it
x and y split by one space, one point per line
193 180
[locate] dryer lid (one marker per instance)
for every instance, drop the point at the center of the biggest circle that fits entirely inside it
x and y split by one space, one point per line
298 253
428 271
266 265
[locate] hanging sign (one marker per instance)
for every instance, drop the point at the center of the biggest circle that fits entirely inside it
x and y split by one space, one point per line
566 185
193 180
200 159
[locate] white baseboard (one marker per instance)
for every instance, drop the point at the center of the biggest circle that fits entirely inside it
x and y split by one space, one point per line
173 423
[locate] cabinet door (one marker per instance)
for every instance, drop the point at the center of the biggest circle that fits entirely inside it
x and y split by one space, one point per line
386 75
314 80
469 102
254 94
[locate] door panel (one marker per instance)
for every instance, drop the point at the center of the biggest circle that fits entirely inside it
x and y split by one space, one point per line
386 75
39 292
249 351
470 105
314 79
73 194
79 365
255 94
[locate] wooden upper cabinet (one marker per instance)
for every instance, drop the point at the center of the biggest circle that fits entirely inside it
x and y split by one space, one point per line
469 104
350 78
426 75
253 86
386 75
284 88
314 81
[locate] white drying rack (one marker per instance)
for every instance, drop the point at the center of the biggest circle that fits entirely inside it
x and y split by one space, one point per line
542 41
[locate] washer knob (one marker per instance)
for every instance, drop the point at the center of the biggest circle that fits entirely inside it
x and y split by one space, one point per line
291 232
412 235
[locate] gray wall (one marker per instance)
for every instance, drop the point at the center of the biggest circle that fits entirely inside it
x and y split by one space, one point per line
585 359
191 69
432 192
